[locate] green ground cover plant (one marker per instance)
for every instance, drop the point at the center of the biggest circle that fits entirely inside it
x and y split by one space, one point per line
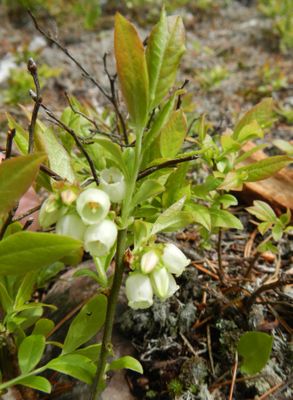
115 182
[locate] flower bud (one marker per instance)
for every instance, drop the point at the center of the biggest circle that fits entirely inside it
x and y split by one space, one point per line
174 260
160 282
139 291
68 196
93 206
71 225
99 238
112 182
148 261
49 212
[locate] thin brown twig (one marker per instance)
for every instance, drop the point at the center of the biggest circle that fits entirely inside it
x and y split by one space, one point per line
112 98
210 350
27 213
179 101
206 271
48 171
114 101
265 287
9 142
219 252
76 139
234 374
33 69
271 391
166 164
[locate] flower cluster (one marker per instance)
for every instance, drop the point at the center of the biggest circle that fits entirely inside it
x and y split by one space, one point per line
155 276
85 216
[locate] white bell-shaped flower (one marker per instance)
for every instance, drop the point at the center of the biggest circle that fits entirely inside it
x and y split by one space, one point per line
174 260
49 212
99 238
139 291
149 261
160 282
113 183
71 225
173 287
93 205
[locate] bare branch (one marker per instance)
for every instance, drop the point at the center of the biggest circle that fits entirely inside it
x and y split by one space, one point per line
33 69
76 139
112 98
166 164
9 141
283 281
112 80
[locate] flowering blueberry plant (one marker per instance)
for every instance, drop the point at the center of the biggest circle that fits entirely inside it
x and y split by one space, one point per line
113 189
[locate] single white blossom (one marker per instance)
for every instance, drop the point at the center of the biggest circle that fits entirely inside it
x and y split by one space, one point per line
160 282
139 291
149 261
113 183
174 260
71 225
99 238
93 206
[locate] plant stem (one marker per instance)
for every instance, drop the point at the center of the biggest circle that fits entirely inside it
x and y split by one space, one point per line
118 275
219 251
112 301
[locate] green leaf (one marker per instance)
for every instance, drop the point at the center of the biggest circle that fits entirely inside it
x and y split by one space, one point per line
113 152
25 290
166 219
255 348
248 153
277 231
263 227
267 246
58 157
262 113
132 70
262 211
173 134
227 200
250 131
203 190
92 352
6 301
148 189
161 119
164 51
142 231
75 365
30 352
16 176
126 362
283 145
224 219
201 215
36 382
86 324
28 251
176 186
265 168
43 327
